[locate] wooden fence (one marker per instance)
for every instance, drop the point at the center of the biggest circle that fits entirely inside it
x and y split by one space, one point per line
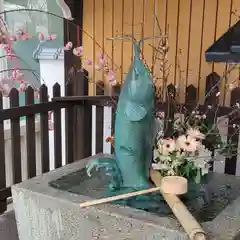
172 109
79 125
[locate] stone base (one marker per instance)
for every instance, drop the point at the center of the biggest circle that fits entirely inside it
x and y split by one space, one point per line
46 213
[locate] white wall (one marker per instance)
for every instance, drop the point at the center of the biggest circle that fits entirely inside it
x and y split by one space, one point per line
52 71
107 129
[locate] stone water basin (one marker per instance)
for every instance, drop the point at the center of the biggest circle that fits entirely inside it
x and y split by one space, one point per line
47 207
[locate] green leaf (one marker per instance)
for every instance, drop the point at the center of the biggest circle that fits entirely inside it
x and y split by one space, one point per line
198 176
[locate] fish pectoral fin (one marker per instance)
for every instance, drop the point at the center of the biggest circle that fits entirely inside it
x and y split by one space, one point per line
126 150
135 112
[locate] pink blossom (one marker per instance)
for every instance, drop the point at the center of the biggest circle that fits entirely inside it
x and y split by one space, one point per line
68 46
9 52
88 61
16 74
13 38
12 56
22 86
19 37
97 68
100 55
25 36
52 37
78 51
19 34
101 62
114 82
111 77
7 49
41 36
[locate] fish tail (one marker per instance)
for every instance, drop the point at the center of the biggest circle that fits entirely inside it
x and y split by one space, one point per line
111 168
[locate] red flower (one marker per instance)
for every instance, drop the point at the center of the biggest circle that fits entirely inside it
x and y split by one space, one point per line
109 139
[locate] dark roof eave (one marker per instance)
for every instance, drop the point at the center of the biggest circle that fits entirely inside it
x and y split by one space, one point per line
227 47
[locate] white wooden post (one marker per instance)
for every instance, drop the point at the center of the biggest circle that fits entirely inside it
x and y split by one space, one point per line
52 71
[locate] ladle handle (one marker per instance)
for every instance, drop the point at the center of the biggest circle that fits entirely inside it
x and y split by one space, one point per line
188 222
118 197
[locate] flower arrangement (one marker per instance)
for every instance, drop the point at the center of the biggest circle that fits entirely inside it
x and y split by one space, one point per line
183 156
189 151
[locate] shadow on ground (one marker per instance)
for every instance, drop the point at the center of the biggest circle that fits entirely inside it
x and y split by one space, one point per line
8 227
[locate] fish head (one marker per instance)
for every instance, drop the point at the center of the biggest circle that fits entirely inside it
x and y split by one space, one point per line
140 88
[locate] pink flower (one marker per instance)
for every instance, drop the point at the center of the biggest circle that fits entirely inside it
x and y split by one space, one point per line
12 56
13 38
111 77
25 36
101 55
97 68
16 74
8 49
101 62
19 37
88 61
52 37
78 51
41 36
22 86
68 46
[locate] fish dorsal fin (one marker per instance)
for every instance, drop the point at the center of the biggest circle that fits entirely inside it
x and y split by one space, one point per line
135 112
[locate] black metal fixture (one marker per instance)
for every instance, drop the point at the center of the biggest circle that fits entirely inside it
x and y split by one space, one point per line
227 47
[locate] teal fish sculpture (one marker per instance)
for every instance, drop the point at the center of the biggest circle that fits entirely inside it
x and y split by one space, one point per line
134 131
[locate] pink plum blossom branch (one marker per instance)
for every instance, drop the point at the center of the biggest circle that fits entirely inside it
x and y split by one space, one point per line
78 51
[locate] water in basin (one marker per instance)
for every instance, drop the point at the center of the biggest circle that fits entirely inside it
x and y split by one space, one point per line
215 195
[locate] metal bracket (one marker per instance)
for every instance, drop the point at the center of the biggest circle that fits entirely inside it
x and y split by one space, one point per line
65 9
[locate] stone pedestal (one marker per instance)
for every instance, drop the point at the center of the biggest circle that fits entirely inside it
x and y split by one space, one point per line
47 213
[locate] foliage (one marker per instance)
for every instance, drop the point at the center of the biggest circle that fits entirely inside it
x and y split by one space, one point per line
189 151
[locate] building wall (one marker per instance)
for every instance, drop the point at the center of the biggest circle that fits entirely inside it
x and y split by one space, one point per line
193 26
33 22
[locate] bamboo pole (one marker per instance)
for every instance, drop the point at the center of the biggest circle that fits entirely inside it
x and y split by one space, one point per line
118 197
188 222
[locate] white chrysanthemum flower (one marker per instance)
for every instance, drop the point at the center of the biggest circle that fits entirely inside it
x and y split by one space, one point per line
171 172
186 143
155 154
202 164
166 146
195 133
202 159
204 153
165 159
160 166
